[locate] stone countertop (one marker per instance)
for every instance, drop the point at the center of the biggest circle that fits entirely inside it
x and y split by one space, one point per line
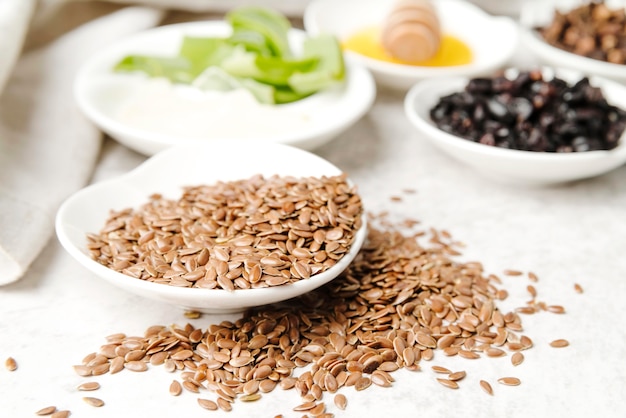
566 234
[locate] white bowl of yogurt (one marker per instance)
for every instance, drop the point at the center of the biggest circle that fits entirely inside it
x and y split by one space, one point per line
149 115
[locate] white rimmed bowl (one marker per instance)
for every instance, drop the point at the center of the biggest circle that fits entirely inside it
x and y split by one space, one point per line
502 7
100 93
86 211
493 40
514 166
540 13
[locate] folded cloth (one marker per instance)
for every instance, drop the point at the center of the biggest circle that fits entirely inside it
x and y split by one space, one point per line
47 148
14 18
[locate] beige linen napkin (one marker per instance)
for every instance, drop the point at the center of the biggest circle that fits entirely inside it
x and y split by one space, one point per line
47 148
14 18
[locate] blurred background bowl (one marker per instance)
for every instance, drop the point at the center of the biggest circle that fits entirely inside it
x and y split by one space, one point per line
493 40
540 13
100 93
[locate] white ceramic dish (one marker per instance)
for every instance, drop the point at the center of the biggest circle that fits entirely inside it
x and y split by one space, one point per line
514 166
493 40
502 7
539 13
100 92
87 210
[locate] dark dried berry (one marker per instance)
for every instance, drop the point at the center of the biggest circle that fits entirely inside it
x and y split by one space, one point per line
479 86
532 114
497 109
479 113
501 83
521 107
571 96
487 139
580 143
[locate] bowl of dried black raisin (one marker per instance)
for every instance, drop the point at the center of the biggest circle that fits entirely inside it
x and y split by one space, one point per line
536 126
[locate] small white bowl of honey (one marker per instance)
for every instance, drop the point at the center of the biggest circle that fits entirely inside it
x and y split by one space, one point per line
404 41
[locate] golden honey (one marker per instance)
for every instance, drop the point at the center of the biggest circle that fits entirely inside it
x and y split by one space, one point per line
452 51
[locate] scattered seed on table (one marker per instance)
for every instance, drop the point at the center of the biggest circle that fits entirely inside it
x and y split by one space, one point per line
512 272
224 405
532 277
495 352
207 404
509 381
255 353
304 406
486 387
136 366
514 346
175 388
395 199
557 309
448 383
378 378
409 223
192 314
96 402
47 410
267 385
451 351
456 376
559 343
578 288
10 364
100 369
318 409
190 386
61 414
494 278
341 401
83 371
531 289
517 358
470 355
439 369
89 386
113 338
526 310
169 365
117 365
363 383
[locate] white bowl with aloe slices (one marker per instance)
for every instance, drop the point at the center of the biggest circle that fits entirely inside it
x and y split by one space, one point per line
250 77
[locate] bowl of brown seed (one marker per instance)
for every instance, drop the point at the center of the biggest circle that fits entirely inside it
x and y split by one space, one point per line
218 228
534 127
586 36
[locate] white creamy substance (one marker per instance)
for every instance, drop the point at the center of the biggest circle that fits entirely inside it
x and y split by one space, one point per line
157 105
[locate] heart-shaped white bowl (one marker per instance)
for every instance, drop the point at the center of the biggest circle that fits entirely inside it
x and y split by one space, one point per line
167 173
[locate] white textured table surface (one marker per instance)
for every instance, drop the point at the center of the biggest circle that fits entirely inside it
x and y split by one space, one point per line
574 233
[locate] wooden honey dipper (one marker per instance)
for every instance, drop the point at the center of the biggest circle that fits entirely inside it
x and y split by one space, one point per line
411 31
